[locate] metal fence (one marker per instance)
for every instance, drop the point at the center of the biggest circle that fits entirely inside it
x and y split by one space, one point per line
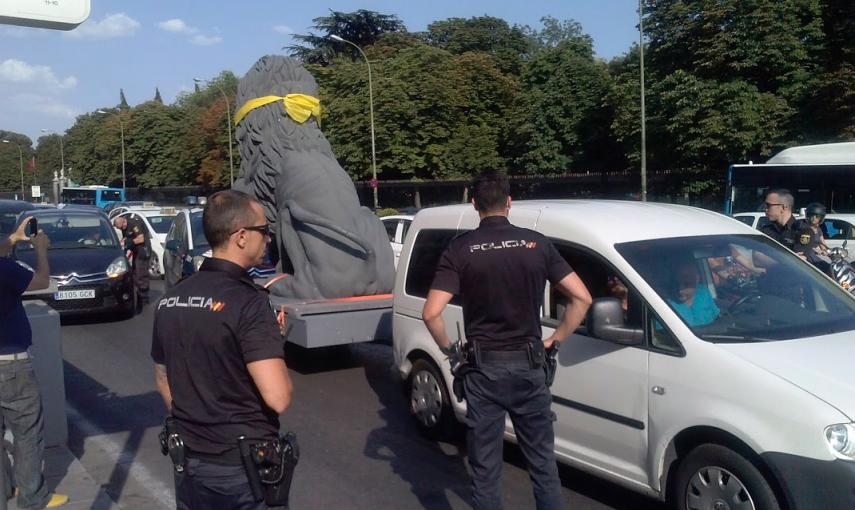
404 195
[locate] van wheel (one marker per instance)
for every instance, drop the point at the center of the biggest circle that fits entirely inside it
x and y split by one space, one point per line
430 406
713 477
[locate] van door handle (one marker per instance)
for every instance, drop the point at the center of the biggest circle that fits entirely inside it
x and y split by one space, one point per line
659 390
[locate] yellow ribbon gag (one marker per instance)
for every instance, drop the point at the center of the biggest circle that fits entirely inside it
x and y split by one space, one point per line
298 106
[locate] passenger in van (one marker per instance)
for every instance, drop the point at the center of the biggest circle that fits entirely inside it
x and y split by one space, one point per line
691 300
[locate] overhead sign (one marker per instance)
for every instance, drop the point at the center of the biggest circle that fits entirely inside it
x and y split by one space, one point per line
37 191
53 14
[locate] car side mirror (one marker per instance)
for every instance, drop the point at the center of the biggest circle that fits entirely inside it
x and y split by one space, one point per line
171 245
606 321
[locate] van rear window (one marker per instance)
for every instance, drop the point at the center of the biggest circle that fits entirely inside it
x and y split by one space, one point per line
428 246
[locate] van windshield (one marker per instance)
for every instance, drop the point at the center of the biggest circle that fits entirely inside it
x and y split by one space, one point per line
741 288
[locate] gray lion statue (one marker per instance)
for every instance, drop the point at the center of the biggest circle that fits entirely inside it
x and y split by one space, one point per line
331 246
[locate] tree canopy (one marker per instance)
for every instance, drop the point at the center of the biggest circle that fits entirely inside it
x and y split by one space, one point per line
726 81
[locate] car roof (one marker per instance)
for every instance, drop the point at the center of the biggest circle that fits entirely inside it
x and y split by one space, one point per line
66 211
614 221
15 205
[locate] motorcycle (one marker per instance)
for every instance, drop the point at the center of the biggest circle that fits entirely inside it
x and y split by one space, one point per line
841 269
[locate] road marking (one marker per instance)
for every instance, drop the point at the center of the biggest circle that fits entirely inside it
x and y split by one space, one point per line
156 489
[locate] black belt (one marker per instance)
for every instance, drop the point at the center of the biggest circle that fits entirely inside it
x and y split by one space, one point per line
227 458
504 356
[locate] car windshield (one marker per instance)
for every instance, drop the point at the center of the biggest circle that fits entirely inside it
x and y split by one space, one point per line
160 224
741 288
199 239
75 231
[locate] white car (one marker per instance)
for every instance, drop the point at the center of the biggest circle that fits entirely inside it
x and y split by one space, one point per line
397 227
157 221
747 402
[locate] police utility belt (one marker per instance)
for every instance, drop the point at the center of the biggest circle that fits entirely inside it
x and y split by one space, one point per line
469 356
269 463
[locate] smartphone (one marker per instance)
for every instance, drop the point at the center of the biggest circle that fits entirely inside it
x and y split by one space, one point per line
33 227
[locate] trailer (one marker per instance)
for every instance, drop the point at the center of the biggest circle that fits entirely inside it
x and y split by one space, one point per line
328 322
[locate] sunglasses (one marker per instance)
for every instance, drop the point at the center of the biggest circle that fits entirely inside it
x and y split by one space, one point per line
767 205
261 229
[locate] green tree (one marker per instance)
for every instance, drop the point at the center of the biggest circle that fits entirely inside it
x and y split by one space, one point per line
93 147
49 156
484 34
152 146
555 32
361 27
10 161
702 125
567 114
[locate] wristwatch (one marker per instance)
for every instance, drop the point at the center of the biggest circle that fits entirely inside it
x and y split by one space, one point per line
445 350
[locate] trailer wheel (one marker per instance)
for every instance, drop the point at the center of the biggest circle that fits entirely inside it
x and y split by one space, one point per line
430 405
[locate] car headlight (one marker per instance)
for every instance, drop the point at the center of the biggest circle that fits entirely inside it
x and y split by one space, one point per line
118 267
841 439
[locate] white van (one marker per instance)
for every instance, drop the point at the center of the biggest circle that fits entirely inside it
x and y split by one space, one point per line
747 404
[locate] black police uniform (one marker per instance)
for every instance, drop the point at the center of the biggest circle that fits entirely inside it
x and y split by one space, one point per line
499 271
141 254
206 330
787 234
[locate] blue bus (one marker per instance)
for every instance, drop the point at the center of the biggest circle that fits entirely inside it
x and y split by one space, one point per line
98 196
813 173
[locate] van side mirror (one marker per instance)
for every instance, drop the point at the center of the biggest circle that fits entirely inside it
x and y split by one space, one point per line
606 321
171 245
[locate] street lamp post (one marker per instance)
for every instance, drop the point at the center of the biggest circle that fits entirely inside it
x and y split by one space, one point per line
122 137
228 125
21 158
643 130
374 183
61 151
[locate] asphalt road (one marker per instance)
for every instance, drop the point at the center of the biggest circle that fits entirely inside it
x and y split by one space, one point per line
359 448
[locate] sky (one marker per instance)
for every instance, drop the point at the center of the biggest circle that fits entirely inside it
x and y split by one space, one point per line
49 77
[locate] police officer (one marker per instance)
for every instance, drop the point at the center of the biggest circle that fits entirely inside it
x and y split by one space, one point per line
782 226
137 240
219 358
500 271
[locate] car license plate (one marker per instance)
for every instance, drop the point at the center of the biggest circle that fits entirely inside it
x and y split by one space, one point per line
75 294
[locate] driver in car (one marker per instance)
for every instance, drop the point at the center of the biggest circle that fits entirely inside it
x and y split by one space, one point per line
691 300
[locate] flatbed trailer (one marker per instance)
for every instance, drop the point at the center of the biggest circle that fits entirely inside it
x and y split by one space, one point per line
328 322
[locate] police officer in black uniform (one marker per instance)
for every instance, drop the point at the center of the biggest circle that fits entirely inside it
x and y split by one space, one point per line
782 226
500 271
137 240
219 358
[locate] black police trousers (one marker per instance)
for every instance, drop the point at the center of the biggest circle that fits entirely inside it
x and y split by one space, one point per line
141 262
208 486
494 390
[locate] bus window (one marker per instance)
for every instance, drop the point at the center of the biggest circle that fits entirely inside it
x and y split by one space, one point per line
78 196
110 195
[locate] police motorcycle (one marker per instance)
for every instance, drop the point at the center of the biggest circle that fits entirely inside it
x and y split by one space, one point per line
841 270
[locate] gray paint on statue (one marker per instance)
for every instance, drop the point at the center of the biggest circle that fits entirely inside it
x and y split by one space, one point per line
337 248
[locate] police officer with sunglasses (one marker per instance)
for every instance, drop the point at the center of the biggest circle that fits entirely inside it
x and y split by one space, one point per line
219 362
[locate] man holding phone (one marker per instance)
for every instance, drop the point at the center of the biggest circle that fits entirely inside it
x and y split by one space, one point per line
20 399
